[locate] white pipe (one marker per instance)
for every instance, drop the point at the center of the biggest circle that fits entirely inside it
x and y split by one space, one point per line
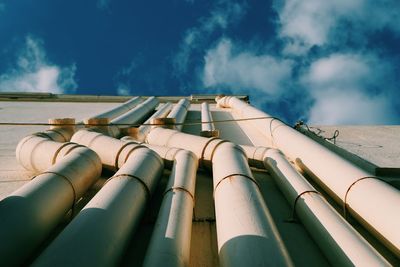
179 112
119 110
374 203
140 133
246 232
207 126
340 243
133 116
100 233
171 238
138 113
29 214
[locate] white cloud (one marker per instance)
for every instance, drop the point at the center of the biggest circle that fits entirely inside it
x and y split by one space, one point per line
223 14
349 89
315 22
123 89
244 69
353 107
34 73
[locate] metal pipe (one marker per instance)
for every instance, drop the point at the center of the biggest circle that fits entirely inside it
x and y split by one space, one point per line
119 110
179 112
338 240
243 220
30 213
171 238
133 116
371 201
138 113
170 241
140 133
207 126
100 233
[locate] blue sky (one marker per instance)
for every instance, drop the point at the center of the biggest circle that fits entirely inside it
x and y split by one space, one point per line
326 62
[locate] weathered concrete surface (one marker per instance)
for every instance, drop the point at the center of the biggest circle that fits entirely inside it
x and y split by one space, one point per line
379 145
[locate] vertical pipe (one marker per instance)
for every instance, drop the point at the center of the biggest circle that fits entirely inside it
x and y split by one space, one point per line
170 241
246 232
207 126
100 233
371 201
179 112
339 242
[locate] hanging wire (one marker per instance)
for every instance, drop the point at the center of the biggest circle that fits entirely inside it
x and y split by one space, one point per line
317 131
195 122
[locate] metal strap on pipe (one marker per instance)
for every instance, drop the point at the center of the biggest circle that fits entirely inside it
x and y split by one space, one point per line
345 206
202 156
237 174
66 179
270 126
60 133
53 161
293 216
181 189
122 175
72 148
45 135
122 148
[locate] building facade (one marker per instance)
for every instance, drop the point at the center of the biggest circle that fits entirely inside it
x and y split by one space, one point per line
191 181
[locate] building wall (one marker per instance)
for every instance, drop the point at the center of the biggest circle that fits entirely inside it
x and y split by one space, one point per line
302 249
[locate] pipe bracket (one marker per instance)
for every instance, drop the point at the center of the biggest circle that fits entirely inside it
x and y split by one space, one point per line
120 151
345 205
179 188
237 174
293 216
146 188
67 180
53 161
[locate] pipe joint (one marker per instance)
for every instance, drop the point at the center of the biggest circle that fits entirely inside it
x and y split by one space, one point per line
125 152
208 151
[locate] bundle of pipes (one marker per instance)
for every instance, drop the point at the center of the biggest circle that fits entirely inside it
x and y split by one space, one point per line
236 196
119 110
29 214
207 126
340 243
133 116
99 234
141 132
170 241
371 201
